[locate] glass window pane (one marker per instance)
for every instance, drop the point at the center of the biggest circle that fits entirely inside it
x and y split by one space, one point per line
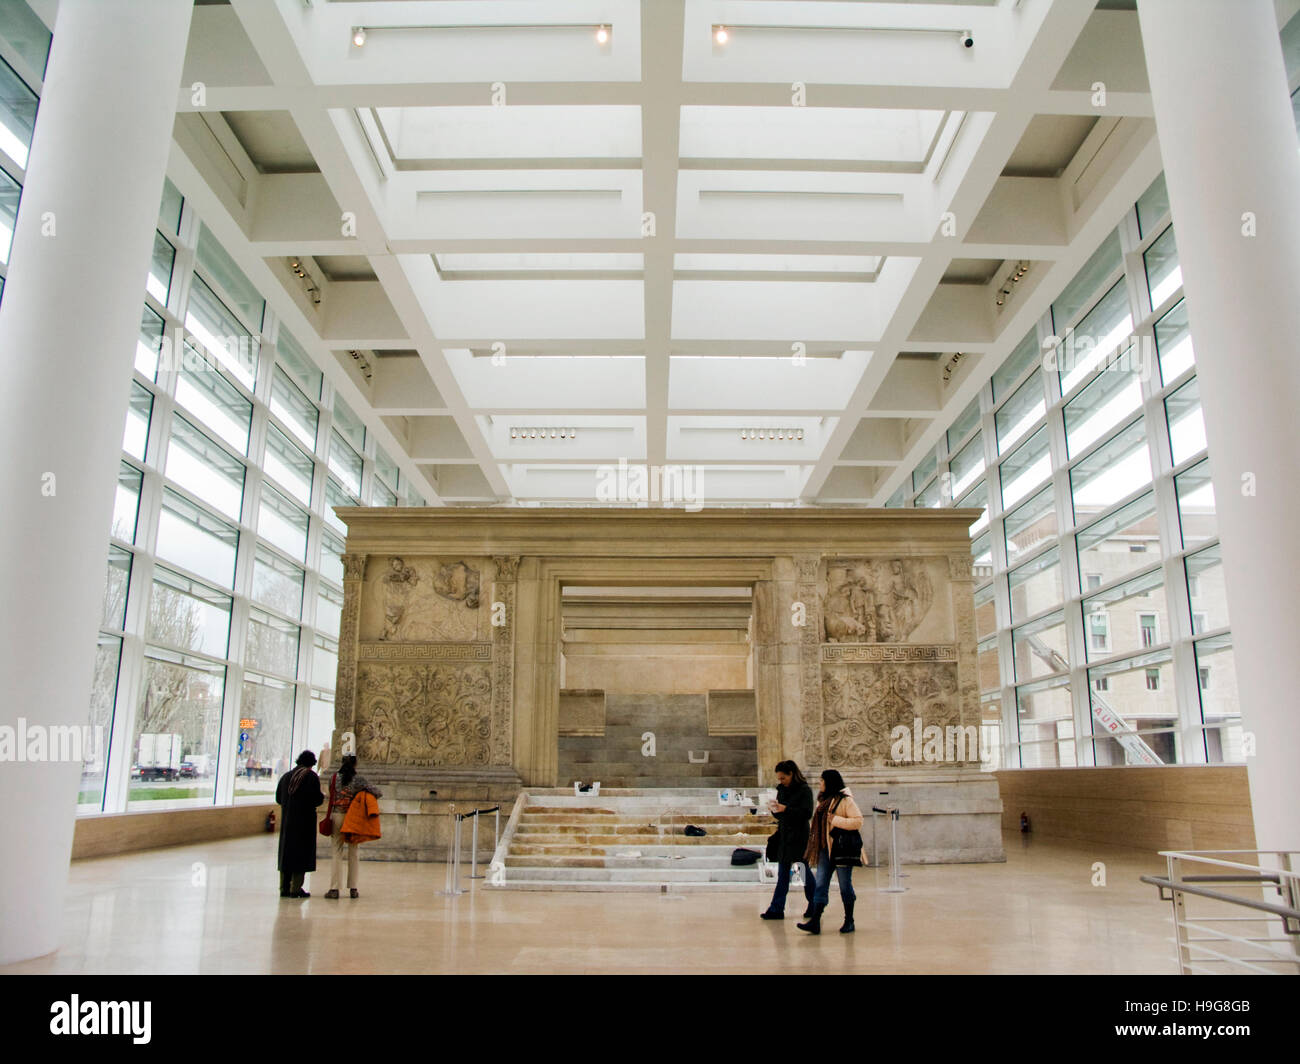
382 496
331 551
1039 648
293 408
1017 363
967 465
1138 615
1205 589
1153 206
1095 338
1126 540
1220 710
1174 343
1080 291
169 210
277 583
23 29
221 334
17 115
9 195
149 344
178 719
1114 470
345 464
272 645
211 258
1108 401
414 498
1026 468
1045 723
1036 585
924 470
205 469
336 496
265 742
187 615
135 438
965 423
320 726
386 470
282 523
977 499
1028 526
348 425
324 663
288 465
932 496
1022 412
299 366
1186 426
981 558
126 503
1196 513
1134 712
1164 277
159 283
115 587
329 610
103 697
205 392
191 537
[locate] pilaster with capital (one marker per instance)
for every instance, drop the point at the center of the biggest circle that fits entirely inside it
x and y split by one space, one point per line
503 656
345 688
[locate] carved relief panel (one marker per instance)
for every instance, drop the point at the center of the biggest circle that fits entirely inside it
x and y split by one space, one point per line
887 600
417 598
862 703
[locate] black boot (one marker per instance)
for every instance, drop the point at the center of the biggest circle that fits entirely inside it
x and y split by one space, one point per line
848 917
814 924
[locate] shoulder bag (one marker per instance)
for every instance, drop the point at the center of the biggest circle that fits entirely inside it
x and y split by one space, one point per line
327 825
846 846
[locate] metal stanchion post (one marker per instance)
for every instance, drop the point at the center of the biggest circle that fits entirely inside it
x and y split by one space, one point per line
473 860
895 887
456 875
451 834
496 831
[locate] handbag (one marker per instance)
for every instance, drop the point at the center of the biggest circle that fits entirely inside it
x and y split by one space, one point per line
774 845
327 825
743 856
846 845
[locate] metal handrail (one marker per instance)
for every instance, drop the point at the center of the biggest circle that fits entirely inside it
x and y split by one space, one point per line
1280 942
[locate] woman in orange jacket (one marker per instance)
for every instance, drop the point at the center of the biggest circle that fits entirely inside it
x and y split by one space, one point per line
345 785
835 809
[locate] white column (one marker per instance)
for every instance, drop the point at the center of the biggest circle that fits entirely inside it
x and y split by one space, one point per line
68 327
1228 140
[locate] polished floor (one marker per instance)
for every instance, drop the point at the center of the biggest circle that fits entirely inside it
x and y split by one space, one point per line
214 908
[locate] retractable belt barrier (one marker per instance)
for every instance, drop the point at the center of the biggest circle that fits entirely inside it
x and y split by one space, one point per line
895 887
454 831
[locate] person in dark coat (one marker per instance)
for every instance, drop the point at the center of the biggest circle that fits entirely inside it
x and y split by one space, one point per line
793 810
298 793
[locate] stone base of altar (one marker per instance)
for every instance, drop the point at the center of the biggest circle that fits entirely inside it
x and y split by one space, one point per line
945 817
416 811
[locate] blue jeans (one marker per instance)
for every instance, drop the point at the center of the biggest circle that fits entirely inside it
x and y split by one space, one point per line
844 874
783 885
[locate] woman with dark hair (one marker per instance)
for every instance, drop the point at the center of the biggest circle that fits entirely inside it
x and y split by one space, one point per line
298 794
836 809
792 809
345 785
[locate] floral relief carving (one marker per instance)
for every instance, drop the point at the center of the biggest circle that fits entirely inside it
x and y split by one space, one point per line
424 714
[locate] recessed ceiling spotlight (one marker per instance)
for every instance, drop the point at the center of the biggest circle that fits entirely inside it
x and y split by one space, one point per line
358 35
553 433
602 34
514 434
720 34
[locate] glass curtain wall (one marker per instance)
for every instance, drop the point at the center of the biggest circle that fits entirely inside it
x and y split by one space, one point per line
1102 624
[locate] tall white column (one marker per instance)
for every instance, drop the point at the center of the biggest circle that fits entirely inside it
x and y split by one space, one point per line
1228 139
68 326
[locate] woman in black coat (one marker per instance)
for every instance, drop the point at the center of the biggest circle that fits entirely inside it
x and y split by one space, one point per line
793 810
298 793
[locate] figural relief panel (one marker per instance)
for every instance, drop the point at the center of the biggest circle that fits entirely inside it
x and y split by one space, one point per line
887 600
862 704
413 599
429 713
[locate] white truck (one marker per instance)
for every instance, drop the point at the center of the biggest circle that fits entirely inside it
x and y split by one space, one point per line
159 756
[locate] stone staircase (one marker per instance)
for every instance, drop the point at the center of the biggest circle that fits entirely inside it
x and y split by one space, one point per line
686 755
628 840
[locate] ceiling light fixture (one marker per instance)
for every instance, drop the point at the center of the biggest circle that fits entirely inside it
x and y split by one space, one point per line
720 34
602 34
358 35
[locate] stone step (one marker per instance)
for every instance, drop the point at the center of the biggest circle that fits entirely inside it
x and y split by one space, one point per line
630 737
674 782
711 850
638 875
667 862
543 815
654 887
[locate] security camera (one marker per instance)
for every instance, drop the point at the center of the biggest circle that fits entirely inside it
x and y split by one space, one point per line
967 39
